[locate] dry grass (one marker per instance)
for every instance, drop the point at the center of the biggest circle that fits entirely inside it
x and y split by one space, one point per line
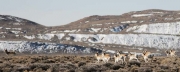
55 63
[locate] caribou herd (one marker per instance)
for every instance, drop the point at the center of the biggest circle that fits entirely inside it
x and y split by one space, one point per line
121 57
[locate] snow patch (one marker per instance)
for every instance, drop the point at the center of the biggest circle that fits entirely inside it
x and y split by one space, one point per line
45 36
40 47
141 21
8 28
53 31
157 28
2 32
169 18
15 32
140 15
50 36
78 30
18 20
108 23
143 40
111 51
29 37
157 12
129 22
9 17
96 29
86 21
60 35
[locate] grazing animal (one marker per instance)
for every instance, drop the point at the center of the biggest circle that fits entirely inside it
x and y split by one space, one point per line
118 58
133 56
122 56
9 53
146 55
171 53
106 57
98 57
167 53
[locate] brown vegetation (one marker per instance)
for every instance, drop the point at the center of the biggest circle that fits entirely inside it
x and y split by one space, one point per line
68 63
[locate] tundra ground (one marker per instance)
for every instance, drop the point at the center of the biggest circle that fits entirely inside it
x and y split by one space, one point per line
83 63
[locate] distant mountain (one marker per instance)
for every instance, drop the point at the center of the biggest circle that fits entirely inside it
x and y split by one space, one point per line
151 29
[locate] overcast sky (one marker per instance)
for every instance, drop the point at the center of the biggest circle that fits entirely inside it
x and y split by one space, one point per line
60 12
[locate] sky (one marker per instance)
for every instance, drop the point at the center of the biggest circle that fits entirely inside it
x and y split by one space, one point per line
61 12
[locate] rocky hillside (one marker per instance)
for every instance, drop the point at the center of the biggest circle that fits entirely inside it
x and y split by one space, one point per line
151 29
16 28
116 23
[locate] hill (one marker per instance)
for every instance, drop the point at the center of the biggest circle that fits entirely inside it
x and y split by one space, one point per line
152 29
